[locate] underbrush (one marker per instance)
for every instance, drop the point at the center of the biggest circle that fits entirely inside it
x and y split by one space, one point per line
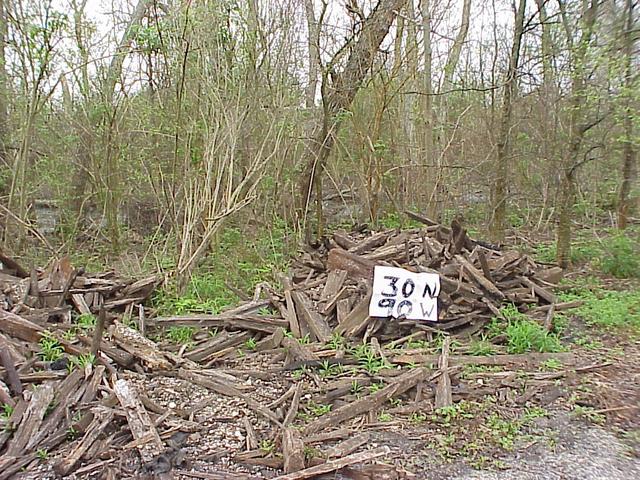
237 264
522 334
606 308
617 255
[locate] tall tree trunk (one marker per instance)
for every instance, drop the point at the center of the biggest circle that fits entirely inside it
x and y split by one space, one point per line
497 227
628 152
313 40
339 96
454 54
109 139
4 128
578 127
431 169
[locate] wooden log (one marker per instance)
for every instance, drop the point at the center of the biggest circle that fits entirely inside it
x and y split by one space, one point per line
12 374
334 283
140 347
515 359
371 242
316 323
477 276
140 424
291 317
11 264
31 420
292 450
356 321
443 389
356 266
368 403
256 323
101 420
348 446
333 465
344 240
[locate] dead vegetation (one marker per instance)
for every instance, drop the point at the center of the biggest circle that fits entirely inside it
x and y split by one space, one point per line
292 382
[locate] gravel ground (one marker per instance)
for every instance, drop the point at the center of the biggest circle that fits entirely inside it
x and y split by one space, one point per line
582 452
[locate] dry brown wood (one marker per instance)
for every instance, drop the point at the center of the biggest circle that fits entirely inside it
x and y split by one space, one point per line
357 320
367 403
443 389
31 420
292 450
140 424
356 266
140 347
477 276
333 284
333 465
371 242
11 264
252 438
293 408
102 419
348 446
515 359
12 374
247 321
316 323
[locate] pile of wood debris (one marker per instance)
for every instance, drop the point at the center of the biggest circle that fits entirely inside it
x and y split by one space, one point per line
85 404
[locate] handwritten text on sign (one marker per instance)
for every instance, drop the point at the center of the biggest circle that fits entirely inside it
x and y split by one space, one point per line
398 292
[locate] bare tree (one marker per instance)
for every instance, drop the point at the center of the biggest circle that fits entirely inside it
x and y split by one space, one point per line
500 188
339 95
628 152
4 127
578 126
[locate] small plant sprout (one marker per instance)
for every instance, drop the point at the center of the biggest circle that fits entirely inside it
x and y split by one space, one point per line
42 454
180 335
385 417
50 348
251 344
267 446
356 388
6 411
86 321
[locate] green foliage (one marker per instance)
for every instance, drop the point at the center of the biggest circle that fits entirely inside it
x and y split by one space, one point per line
268 446
251 344
83 360
356 388
42 454
6 411
318 409
368 358
609 309
582 251
522 334
384 417
337 341
329 370
621 258
86 321
481 347
376 387
50 348
590 414
236 260
180 335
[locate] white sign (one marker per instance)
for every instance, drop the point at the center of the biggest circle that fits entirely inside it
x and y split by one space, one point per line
400 293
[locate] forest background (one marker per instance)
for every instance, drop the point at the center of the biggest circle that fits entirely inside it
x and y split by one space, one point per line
213 136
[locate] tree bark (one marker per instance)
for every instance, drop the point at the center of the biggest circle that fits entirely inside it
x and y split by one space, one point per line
4 128
432 170
454 54
314 53
628 152
498 223
339 96
577 127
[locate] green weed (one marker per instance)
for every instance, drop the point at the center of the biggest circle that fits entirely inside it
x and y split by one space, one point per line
86 321
590 414
6 411
42 454
180 335
356 388
523 335
621 258
251 344
481 347
384 417
368 358
609 309
267 446
50 348
329 370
